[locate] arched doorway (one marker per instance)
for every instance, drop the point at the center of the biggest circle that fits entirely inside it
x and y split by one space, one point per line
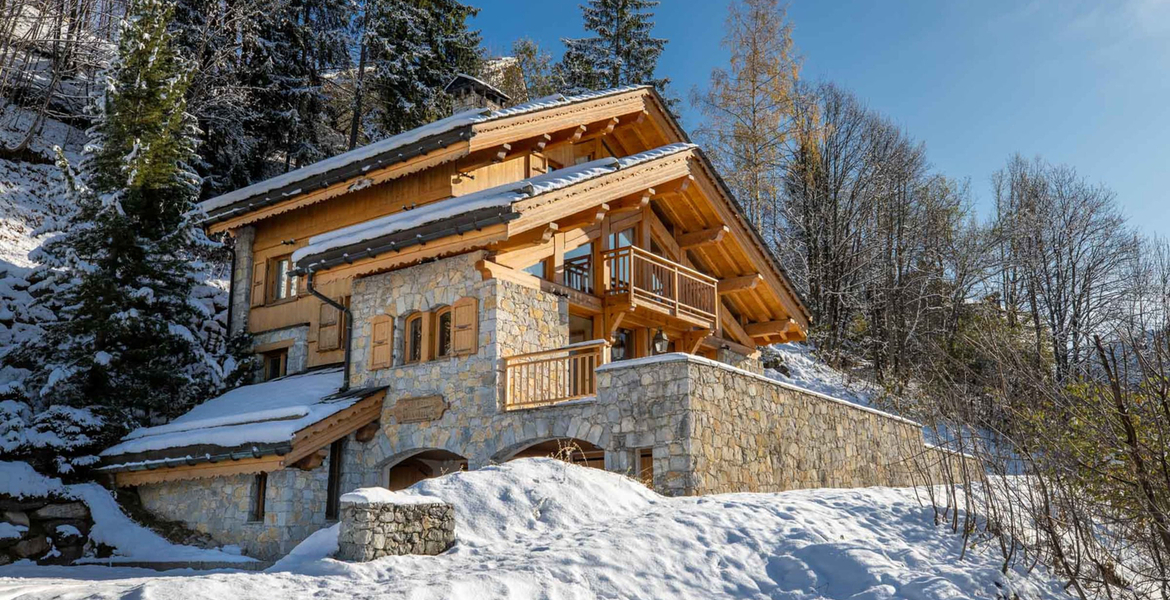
419 466
576 451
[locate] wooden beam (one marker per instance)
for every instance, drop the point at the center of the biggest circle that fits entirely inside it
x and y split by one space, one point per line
491 270
587 218
769 328
691 340
740 284
718 343
502 152
312 461
731 326
634 203
199 471
367 431
703 237
576 137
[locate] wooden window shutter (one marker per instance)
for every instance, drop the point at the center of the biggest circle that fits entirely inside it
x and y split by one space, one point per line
328 328
259 278
465 326
381 335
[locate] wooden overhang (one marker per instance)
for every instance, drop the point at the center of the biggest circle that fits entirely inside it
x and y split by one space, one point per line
494 136
698 209
202 461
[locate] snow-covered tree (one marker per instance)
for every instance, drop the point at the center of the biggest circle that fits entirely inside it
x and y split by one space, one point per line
416 47
116 276
621 52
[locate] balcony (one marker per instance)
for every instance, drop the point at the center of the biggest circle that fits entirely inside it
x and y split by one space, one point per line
551 376
637 278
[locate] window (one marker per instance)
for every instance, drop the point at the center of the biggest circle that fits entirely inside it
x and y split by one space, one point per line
275 363
623 345
579 268
283 284
646 466
259 490
621 239
333 487
539 269
414 338
443 333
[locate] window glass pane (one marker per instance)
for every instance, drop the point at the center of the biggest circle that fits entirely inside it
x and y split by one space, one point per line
445 334
414 341
622 239
536 270
282 278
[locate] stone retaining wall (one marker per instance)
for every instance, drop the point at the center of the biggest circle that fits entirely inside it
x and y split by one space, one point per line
371 530
53 531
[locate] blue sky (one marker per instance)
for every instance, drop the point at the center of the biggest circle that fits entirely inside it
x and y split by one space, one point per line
1077 82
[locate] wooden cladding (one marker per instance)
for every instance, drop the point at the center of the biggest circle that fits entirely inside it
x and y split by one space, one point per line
381 338
465 327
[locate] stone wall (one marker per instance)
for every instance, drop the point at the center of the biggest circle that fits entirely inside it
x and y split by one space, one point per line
371 530
735 431
298 352
294 507
241 288
49 530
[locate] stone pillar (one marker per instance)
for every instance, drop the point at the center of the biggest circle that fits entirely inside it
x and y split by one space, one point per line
376 522
242 279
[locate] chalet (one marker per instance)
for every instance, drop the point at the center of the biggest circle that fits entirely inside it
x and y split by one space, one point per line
569 275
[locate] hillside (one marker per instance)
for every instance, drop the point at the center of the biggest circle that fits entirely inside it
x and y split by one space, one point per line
539 528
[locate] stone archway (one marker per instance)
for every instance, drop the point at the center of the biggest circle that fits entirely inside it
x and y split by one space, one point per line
574 450
414 466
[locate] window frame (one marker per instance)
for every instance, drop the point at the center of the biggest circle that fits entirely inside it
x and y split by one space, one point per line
281 355
409 345
273 287
333 482
259 491
437 317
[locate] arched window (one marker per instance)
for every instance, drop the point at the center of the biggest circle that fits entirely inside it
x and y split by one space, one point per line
414 338
443 332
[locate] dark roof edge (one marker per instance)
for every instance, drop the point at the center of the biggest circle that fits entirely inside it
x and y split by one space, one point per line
343 173
399 240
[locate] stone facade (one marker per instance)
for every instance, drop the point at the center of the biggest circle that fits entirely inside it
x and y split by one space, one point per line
709 427
294 507
298 352
373 530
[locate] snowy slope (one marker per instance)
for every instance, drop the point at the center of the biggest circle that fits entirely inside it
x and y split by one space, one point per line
538 528
802 369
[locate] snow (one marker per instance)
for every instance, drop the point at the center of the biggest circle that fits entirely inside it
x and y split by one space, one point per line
439 127
8 531
377 495
496 197
132 542
67 531
807 371
540 528
266 412
680 356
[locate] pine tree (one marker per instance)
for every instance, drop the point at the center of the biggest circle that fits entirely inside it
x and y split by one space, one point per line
286 52
416 48
621 53
118 272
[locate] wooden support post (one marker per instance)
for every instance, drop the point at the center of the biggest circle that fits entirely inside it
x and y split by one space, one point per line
558 258
739 284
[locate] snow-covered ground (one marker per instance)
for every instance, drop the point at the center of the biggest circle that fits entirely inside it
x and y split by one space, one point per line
807 371
539 528
131 541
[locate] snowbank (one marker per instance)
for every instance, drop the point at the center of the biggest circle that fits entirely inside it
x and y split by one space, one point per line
808 372
537 528
131 541
377 495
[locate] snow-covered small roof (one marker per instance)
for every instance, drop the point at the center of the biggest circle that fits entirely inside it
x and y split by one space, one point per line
264 413
390 149
474 81
501 197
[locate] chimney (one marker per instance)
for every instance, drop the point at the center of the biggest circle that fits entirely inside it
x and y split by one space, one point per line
470 93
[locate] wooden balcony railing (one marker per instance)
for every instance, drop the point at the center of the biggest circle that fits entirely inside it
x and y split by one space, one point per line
649 280
552 376
579 273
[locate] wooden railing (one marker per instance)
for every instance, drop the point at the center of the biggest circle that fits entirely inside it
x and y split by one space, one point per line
579 273
646 278
551 376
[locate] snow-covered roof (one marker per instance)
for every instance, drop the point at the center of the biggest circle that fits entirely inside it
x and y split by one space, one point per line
264 413
285 184
476 81
502 197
